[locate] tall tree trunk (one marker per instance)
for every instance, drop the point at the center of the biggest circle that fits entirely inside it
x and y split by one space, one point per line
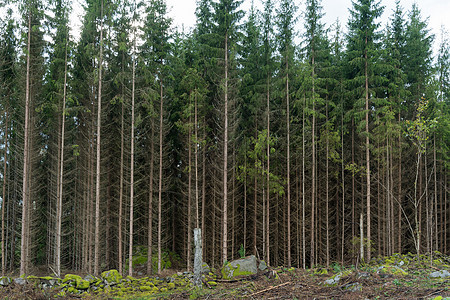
343 186
150 204
97 179
313 179
197 213
225 160
303 185
61 171
327 191
189 215
5 159
160 175
26 161
130 249
288 167
367 157
399 191
204 188
268 162
120 217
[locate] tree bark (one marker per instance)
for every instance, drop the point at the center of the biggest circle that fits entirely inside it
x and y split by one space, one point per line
61 171
97 179
225 160
130 249
26 161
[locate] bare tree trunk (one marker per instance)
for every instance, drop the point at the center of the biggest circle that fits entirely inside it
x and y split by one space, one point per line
160 175
399 196
327 191
130 249
367 157
268 165
26 161
97 180
313 179
225 160
288 167
343 188
5 159
61 171
150 206
303 185
197 220
189 215
435 195
120 217
204 190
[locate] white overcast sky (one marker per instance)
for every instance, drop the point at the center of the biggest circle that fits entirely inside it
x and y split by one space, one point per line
182 11
438 12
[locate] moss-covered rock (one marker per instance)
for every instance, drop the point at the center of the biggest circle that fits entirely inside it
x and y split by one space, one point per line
212 283
111 277
240 267
5 281
171 285
387 270
321 272
145 288
334 280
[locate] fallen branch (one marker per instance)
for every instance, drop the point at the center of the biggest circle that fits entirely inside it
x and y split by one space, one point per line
270 288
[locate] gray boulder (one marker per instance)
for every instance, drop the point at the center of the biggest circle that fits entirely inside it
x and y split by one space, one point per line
20 281
262 265
5 281
205 268
440 274
240 267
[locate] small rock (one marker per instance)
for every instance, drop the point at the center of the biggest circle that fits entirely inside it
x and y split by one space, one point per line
205 268
363 275
440 274
333 281
353 287
262 265
20 281
179 274
89 278
5 281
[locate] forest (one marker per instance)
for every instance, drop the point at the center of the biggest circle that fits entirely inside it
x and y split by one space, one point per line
304 149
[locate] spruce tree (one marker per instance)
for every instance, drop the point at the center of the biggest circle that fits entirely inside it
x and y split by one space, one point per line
363 54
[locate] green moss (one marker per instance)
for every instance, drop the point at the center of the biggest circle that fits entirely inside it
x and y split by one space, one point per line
392 270
71 277
83 284
145 288
163 290
171 285
320 272
112 276
228 271
72 290
212 283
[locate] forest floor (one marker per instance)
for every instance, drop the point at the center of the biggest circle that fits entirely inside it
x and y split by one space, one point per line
395 277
